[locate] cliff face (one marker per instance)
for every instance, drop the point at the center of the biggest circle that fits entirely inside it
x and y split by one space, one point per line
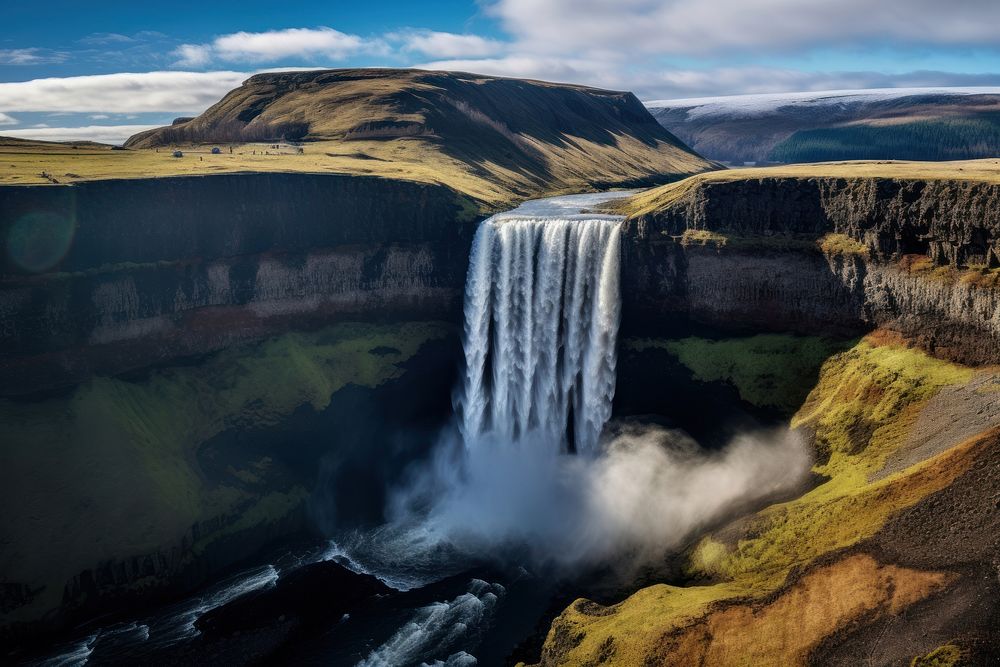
955 222
889 553
313 292
824 256
128 491
160 269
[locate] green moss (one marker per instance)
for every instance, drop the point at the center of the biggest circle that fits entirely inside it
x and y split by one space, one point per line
837 244
948 655
703 237
877 384
111 470
842 244
468 209
270 509
860 412
860 398
768 370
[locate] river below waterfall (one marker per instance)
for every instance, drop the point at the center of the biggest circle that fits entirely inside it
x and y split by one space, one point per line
524 505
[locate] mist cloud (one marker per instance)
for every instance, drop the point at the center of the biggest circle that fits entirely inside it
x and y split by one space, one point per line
649 492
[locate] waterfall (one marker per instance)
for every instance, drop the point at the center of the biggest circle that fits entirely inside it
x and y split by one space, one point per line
542 307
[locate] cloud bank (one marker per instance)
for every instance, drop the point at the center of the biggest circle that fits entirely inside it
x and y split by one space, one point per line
700 27
179 92
105 134
659 49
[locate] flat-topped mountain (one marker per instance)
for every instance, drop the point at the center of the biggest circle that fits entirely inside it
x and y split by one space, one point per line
517 133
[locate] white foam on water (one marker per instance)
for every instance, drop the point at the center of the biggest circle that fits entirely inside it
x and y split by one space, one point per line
435 631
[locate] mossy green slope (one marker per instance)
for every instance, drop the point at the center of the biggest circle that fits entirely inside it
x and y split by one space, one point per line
865 400
110 470
768 370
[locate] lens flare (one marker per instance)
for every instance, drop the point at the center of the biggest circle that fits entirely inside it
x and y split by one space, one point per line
38 241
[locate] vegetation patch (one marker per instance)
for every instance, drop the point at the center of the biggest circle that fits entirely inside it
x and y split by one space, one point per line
979 276
656 200
860 411
842 244
774 243
932 139
785 630
703 237
948 655
768 370
110 470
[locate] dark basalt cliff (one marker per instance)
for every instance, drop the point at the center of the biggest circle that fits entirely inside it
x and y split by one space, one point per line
821 256
168 325
165 268
954 222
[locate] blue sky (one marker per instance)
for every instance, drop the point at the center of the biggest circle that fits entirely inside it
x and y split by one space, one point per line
104 69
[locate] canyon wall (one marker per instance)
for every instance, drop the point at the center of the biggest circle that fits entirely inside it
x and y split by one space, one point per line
823 256
159 269
218 452
180 358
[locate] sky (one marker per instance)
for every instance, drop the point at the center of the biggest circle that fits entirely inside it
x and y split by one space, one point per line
104 70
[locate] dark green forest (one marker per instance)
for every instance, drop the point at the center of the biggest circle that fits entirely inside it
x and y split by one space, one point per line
942 139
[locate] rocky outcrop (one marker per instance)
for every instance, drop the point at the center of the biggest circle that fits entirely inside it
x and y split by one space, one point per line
750 254
668 286
956 222
167 268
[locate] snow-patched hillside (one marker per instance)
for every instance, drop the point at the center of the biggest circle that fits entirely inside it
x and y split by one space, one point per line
753 105
886 123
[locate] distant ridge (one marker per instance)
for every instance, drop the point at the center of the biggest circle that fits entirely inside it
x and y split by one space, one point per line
887 123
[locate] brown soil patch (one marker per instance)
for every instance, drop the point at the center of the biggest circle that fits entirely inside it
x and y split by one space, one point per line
785 630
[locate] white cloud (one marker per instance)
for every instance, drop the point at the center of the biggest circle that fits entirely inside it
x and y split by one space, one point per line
272 45
756 80
565 70
653 82
7 120
174 92
448 44
99 116
701 27
30 56
192 55
102 38
105 134
292 42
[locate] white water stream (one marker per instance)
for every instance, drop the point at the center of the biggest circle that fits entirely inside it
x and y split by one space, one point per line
542 308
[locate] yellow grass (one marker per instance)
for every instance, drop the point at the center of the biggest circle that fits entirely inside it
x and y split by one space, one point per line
401 158
405 158
987 170
785 631
422 126
861 410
